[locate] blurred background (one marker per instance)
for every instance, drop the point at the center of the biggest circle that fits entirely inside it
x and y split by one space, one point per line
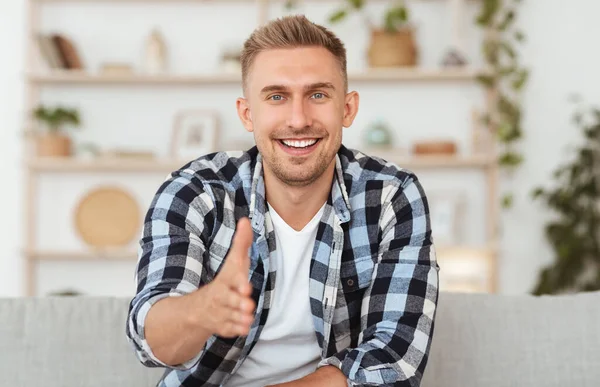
101 99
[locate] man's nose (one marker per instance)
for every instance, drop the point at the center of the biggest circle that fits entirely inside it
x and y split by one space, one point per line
300 114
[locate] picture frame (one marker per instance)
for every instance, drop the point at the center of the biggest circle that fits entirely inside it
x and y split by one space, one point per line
195 134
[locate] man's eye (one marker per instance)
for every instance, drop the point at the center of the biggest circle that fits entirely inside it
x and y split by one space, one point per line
318 95
276 97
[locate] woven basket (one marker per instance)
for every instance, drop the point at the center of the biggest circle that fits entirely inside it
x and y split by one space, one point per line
53 145
392 49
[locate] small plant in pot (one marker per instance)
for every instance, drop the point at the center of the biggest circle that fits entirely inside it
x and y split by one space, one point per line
53 142
393 42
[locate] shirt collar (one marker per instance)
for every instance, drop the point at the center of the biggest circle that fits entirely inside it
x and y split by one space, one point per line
338 196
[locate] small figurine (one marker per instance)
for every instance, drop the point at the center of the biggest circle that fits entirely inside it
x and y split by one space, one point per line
155 61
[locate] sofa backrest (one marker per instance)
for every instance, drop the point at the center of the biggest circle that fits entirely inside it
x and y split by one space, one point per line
479 340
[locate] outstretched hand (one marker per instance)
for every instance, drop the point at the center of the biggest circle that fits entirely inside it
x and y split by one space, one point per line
230 309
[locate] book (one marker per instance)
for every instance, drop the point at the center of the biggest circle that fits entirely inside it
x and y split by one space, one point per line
50 52
68 52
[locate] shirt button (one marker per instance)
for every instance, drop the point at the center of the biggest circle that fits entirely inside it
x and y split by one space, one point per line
350 282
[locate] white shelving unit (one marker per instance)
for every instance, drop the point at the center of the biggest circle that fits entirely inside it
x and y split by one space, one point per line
37 80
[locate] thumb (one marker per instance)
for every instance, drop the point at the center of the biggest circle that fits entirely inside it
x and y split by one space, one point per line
237 261
242 240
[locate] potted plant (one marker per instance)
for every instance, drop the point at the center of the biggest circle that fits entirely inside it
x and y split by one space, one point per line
53 142
573 229
393 42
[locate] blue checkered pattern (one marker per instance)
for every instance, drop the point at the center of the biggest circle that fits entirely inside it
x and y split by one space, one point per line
373 275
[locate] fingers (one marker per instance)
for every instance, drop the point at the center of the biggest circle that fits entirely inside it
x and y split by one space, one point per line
231 329
239 302
236 313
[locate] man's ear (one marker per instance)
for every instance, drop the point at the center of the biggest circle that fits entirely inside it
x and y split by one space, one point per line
350 108
243 110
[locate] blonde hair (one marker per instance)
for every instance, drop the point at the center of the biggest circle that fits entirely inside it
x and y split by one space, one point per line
291 32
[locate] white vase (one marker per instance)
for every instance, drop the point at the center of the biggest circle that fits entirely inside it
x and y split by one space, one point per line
155 59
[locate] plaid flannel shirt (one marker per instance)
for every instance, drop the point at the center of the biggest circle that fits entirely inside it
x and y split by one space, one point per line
373 275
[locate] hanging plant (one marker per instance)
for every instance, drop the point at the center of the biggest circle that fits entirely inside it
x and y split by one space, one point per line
575 233
505 78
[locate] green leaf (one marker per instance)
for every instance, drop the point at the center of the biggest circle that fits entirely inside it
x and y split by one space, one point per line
510 159
509 17
507 200
520 79
338 16
487 80
489 9
537 193
357 4
506 132
506 71
395 17
508 49
290 4
519 36
509 108
490 51
57 117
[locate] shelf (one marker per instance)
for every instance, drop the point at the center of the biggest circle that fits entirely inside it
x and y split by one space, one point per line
373 75
168 165
82 78
103 165
88 255
434 161
466 252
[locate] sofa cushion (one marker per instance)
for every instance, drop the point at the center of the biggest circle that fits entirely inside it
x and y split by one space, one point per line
495 340
68 342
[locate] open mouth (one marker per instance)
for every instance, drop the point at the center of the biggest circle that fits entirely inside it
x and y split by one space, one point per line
299 144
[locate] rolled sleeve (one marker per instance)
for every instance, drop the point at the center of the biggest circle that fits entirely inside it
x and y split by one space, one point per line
399 306
171 257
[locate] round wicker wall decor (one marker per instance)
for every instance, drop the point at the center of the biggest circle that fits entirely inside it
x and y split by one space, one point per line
107 217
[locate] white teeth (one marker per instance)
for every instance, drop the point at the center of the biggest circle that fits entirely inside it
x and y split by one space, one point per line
299 144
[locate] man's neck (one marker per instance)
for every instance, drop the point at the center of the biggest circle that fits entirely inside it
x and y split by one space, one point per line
298 205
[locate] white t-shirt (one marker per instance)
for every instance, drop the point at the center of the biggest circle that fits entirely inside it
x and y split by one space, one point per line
287 349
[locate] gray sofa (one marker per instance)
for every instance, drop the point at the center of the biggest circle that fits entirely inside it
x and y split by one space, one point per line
480 340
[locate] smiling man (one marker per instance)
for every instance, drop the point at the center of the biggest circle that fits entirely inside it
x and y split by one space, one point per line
299 262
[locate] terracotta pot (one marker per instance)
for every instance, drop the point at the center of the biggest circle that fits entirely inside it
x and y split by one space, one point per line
53 145
392 49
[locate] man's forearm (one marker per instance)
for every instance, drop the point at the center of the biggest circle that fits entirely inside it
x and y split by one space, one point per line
170 331
327 376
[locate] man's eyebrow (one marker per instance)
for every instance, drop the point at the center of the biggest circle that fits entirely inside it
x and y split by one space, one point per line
320 85
270 88
312 86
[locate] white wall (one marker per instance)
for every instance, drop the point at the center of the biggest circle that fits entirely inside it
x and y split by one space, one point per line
416 110
12 30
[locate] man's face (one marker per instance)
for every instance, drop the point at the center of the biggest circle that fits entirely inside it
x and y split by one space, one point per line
296 107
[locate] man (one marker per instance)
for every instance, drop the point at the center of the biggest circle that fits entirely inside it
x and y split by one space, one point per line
298 262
